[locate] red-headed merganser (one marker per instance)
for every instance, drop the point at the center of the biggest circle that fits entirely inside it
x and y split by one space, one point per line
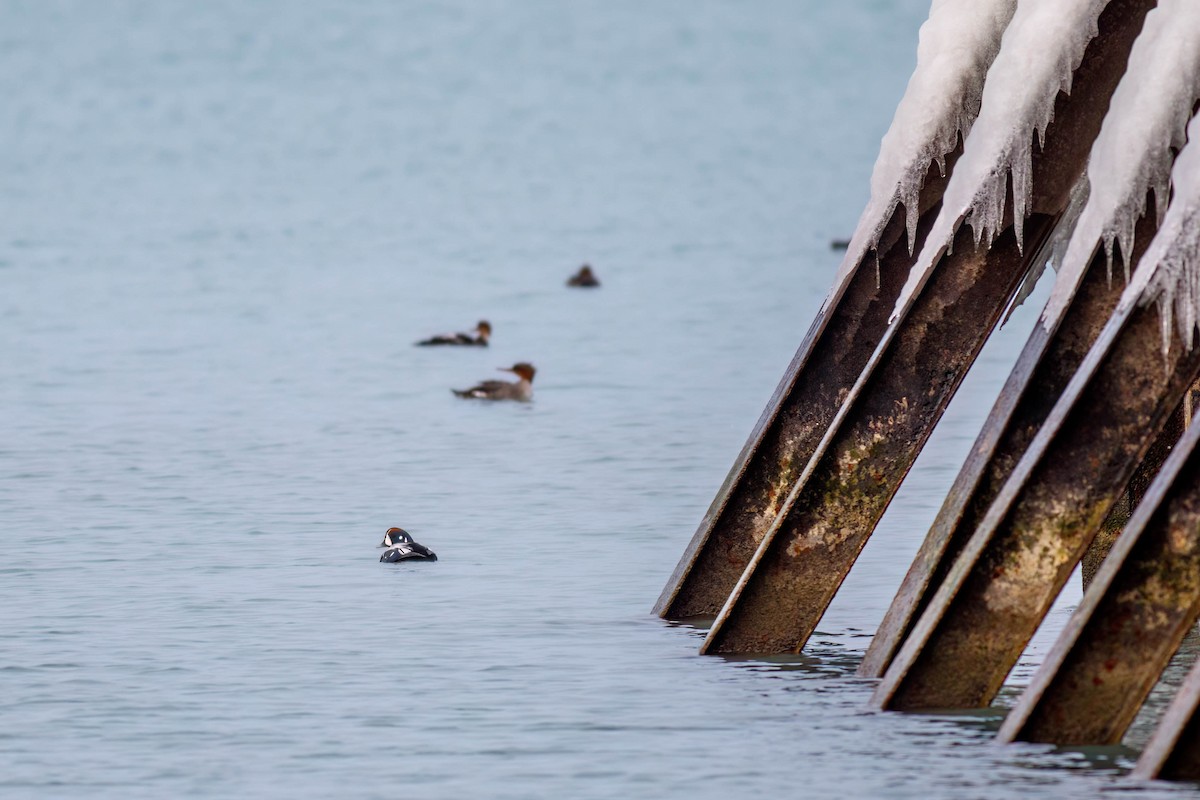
584 278
401 547
483 330
521 390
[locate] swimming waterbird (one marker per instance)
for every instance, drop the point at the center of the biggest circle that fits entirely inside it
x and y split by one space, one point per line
401 547
483 331
585 278
521 390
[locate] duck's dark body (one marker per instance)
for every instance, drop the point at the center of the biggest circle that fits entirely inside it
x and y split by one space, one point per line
401 547
459 339
584 279
479 338
408 552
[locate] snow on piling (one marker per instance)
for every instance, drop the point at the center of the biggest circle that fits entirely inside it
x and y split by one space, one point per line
1132 156
1039 52
957 45
1174 254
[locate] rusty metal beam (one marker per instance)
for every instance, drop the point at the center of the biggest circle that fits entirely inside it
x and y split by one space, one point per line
1132 619
883 425
1050 357
1139 484
1023 551
887 417
833 353
1173 752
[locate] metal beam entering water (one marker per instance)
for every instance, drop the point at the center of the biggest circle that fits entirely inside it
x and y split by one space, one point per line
832 355
1133 617
1173 752
1053 352
869 449
1017 561
887 417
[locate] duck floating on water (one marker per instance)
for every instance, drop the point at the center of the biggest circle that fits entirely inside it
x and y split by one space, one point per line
520 390
585 278
483 331
401 547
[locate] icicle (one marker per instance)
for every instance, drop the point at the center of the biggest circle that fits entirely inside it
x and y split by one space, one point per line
1174 255
957 45
1146 123
1055 250
1040 50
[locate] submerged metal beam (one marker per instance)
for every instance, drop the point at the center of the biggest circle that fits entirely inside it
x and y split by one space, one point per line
1173 752
1133 617
1050 357
887 417
1018 559
833 353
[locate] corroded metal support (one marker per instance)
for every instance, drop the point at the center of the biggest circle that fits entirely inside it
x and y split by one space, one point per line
1139 484
1173 752
1053 352
1132 619
833 353
828 515
880 431
1023 551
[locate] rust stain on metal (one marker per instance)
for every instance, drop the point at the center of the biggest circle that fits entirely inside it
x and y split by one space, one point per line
923 357
1042 372
1035 540
1047 364
839 505
1129 624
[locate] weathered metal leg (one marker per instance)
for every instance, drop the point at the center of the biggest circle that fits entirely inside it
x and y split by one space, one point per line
1043 370
921 362
1131 621
1139 484
1117 518
1054 351
1173 753
830 358
1018 559
883 423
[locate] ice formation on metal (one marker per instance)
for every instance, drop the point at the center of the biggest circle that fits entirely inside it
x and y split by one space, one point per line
1144 128
957 45
1039 52
1174 255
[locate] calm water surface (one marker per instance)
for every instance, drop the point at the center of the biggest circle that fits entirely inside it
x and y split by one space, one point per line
221 227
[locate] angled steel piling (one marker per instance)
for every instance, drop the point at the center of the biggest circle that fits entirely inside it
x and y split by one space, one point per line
887 417
878 434
1173 752
1050 357
833 353
1132 619
1034 533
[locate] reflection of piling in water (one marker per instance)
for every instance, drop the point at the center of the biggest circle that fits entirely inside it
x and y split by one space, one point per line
1075 442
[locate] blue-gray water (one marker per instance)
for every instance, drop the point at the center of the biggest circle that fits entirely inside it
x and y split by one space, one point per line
222 225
